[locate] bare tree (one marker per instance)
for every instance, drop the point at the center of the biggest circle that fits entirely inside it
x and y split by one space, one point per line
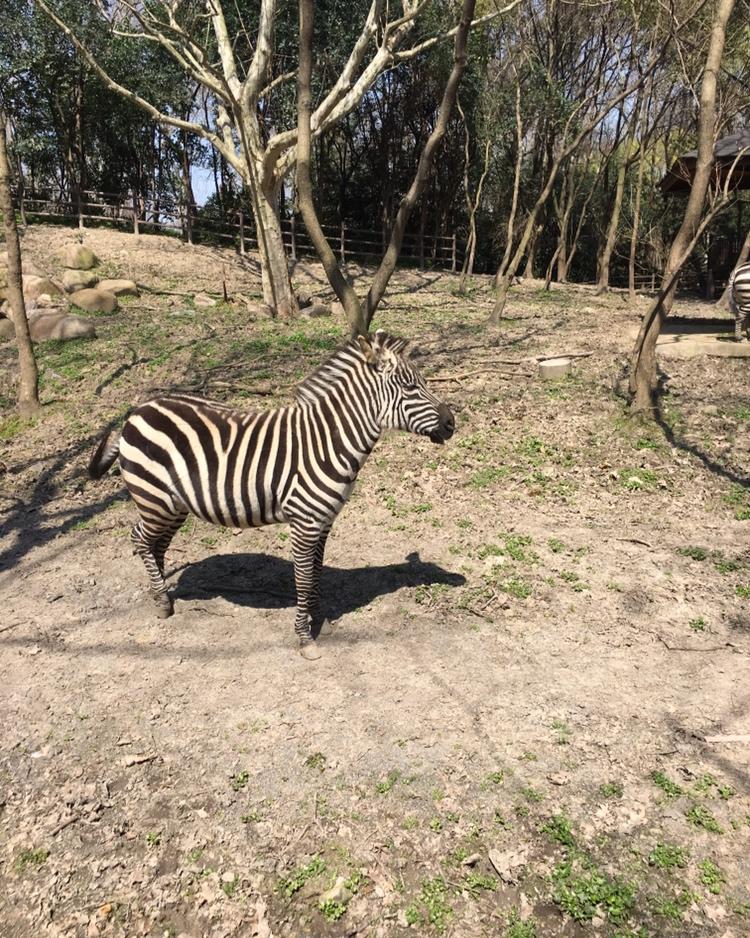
360 315
472 203
598 81
643 378
261 154
28 382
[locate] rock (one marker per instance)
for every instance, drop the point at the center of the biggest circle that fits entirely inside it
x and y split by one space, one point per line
506 863
316 311
120 287
265 310
203 300
45 300
94 300
338 309
337 893
34 286
60 325
303 300
6 330
78 257
73 280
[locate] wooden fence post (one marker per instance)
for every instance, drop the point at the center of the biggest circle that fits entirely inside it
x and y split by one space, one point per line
294 236
453 253
343 243
134 209
242 233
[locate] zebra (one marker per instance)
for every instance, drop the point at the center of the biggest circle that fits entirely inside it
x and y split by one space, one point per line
739 300
181 454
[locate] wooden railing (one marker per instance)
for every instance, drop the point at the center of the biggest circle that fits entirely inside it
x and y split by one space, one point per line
170 216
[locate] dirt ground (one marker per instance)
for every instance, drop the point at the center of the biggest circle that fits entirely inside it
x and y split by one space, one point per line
539 631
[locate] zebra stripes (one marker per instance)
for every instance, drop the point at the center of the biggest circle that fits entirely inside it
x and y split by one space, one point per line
181 455
739 300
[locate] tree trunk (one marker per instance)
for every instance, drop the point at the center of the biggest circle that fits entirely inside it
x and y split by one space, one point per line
28 378
643 377
614 223
277 287
636 227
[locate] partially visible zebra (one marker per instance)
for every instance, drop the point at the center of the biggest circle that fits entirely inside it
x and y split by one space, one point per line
739 300
181 454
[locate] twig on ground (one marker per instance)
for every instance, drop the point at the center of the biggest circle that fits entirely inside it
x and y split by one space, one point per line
737 738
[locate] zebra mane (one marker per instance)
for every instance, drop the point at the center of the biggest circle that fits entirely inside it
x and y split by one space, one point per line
342 362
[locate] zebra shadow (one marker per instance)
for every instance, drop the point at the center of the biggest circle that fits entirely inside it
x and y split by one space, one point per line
262 581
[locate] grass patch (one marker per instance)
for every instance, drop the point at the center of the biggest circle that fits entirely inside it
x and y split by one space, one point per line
31 859
636 480
558 829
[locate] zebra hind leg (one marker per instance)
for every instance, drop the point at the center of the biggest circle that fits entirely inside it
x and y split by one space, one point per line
146 541
320 625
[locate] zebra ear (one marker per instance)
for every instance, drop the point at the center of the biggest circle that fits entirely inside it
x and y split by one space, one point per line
367 350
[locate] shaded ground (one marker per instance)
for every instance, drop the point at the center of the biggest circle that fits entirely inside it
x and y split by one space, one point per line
538 627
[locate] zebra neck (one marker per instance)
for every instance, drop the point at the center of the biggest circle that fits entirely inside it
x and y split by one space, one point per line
349 429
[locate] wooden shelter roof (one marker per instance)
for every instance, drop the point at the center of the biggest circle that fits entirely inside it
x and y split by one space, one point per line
680 176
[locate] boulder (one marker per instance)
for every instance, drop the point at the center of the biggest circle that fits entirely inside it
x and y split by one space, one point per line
95 300
120 287
7 331
78 257
315 311
34 286
58 324
337 309
304 300
73 280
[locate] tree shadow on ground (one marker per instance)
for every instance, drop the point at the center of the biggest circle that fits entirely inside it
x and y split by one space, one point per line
261 581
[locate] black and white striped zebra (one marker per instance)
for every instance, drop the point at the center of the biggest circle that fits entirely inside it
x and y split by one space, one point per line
739 300
181 454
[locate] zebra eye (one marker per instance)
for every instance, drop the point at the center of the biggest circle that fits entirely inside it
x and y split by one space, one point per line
410 386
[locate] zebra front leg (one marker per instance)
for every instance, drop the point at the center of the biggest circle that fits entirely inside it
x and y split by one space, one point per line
305 541
318 620
145 541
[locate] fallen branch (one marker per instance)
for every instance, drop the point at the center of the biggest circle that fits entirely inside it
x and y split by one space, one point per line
741 738
480 371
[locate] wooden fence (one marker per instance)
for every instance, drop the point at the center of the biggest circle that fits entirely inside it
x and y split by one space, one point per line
172 217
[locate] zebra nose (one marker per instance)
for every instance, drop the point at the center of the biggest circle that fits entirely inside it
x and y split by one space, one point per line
447 420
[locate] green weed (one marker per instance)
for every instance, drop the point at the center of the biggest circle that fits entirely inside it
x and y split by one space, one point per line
611 790
700 816
558 829
475 883
635 480
698 624
582 895
383 787
671 789
289 885
331 910
694 553
711 876
517 928
668 856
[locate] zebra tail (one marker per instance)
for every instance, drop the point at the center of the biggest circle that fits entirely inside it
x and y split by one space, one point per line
105 454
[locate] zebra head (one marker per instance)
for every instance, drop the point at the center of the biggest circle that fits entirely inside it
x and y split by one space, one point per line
408 404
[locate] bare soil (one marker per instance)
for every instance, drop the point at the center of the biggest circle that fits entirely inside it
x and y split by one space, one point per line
539 629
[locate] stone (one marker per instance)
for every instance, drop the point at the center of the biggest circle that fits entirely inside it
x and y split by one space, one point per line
6 330
45 300
303 300
315 311
265 310
34 286
73 280
78 257
337 309
60 325
95 300
120 287
203 300
337 893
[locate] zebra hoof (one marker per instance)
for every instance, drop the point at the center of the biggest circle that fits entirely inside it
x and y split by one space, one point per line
310 651
164 606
